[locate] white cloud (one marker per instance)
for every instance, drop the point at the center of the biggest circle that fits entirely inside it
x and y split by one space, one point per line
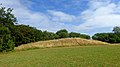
52 21
61 16
100 15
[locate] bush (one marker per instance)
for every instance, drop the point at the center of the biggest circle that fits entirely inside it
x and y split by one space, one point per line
6 42
62 33
74 34
23 34
107 37
78 35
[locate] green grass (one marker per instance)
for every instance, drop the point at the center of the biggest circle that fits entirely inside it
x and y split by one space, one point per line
84 56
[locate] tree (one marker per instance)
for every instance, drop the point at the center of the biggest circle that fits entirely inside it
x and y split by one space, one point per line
101 36
49 35
6 42
84 36
116 30
6 17
74 34
107 37
7 21
62 33
23 34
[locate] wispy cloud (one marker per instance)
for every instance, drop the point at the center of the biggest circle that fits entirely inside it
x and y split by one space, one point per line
61 16
100 15
51 20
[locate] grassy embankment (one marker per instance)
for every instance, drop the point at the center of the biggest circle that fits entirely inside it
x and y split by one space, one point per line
61 43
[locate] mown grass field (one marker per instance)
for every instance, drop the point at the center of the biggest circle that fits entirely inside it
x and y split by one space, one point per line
82 56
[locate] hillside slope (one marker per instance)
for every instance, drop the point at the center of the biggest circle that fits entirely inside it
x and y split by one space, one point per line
61 43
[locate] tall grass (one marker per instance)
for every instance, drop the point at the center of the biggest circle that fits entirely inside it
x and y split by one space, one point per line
61 43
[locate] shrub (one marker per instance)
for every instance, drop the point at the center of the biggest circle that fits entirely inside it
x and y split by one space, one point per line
6 42
62 33
107 37
78 35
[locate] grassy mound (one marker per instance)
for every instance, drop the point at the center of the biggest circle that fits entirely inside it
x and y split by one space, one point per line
61 43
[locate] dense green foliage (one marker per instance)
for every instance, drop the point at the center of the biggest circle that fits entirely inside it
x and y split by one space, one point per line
62 33
74 35
22 34
49 36
116 30
109 37
6 42
89 56
7 21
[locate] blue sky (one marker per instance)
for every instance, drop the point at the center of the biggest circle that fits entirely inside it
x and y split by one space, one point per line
83 16
68 6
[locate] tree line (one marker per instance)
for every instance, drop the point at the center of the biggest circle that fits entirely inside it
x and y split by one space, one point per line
112 37
13 35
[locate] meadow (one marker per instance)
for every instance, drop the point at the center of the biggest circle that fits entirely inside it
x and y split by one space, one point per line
64 42
76 56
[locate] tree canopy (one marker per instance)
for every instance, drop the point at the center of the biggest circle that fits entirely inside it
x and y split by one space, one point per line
12 35
109 37
62 33
116 29
6 17
7 21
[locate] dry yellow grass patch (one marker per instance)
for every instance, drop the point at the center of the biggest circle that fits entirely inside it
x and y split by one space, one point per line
60 43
